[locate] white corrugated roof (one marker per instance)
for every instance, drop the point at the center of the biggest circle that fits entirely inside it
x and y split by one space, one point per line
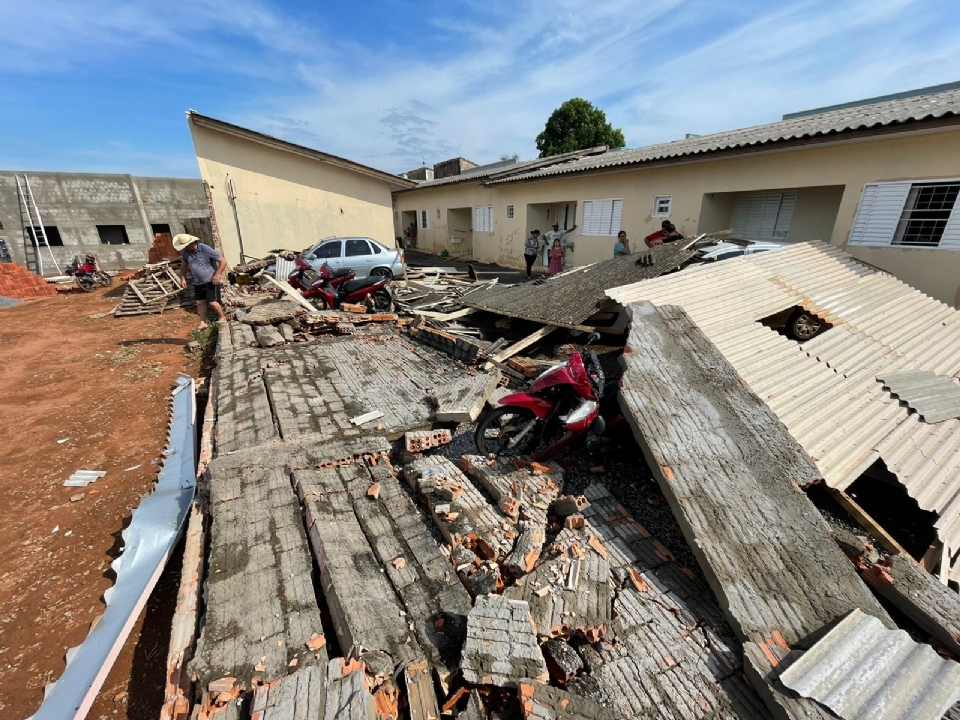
826 390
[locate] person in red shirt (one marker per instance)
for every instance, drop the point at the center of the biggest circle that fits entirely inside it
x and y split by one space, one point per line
667 233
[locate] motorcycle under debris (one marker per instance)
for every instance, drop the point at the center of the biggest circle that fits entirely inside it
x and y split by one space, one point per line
571 398
329 290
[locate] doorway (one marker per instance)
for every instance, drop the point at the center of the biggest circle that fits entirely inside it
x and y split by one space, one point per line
542 216
460 231
408 218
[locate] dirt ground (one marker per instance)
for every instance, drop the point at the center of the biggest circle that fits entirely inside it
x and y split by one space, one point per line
79 392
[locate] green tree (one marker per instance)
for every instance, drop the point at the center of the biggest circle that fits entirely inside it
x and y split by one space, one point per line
576 125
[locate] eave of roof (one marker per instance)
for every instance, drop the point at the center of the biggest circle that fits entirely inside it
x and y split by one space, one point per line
395 181
901 115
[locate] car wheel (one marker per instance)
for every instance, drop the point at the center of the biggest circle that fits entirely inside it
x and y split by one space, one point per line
803 326
381 272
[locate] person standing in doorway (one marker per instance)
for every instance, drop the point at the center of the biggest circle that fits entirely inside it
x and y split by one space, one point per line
555 234
622 246
531 248
206 267
556 257
411 234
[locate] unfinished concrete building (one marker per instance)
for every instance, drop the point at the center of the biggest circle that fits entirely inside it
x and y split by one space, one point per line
115 217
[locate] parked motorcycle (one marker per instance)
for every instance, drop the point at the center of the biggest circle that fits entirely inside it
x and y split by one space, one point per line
87 275
331 289
571 397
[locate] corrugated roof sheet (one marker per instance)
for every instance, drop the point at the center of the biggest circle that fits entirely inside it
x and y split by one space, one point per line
826 390
934 397
863 671
861 117
499 170
572 297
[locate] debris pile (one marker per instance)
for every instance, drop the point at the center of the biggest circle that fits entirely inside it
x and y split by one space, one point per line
460 585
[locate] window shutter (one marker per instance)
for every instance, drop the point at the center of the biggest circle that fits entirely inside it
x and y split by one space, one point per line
478 219
769 208
880 209
787 205
591 218
601 217
950 240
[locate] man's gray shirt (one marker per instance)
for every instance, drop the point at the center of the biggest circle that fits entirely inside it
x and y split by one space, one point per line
202 263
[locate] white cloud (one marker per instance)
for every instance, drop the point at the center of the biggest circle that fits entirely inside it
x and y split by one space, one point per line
652 71
659 71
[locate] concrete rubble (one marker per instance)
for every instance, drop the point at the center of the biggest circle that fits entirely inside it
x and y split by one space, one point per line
359 567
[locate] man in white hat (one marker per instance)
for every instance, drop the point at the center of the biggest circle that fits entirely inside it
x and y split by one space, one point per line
206 267
555 234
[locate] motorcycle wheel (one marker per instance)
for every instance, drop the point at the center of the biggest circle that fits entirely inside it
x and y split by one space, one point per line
86 283
104 279
499 427
382 302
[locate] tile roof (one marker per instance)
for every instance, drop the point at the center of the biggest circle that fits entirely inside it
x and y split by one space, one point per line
572 297
496 170
826 390
835 122
861 670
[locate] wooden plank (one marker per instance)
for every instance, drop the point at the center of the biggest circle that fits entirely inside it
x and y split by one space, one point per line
136 291
869 524
293 294
422 698
522 344
366 417
445 316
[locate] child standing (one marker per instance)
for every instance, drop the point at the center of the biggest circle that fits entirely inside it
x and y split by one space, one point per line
556 257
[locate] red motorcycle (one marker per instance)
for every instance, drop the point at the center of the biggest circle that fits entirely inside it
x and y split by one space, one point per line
331 289
87 275
571 397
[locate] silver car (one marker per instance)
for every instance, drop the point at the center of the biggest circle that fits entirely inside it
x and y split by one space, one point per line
364 256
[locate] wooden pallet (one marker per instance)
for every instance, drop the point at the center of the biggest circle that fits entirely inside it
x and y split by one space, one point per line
153 293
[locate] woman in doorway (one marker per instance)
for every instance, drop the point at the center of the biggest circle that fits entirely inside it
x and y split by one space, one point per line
556 257
531 248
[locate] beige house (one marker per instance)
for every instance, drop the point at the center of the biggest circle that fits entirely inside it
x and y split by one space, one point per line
879 178
269 193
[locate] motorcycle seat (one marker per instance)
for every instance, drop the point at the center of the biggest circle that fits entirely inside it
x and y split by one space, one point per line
351 285
341 272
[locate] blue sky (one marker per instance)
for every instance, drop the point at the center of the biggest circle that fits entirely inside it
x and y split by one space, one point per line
102 85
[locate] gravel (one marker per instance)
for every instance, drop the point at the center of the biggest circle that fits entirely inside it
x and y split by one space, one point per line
8 302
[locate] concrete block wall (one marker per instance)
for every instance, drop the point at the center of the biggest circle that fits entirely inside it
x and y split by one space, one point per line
77 202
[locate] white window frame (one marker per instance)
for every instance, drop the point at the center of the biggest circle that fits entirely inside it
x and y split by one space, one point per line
880 213
483 219
600 226
657 199
510 212
423 219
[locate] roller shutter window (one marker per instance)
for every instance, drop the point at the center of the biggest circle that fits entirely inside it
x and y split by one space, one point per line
765 216
601 218
483 219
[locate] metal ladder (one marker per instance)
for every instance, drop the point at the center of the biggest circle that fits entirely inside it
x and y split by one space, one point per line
31 221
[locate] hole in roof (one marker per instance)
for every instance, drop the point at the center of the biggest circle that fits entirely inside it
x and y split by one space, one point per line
796 323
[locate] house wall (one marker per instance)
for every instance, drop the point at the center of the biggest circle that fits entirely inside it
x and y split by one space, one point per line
287 200
831 179
77 202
